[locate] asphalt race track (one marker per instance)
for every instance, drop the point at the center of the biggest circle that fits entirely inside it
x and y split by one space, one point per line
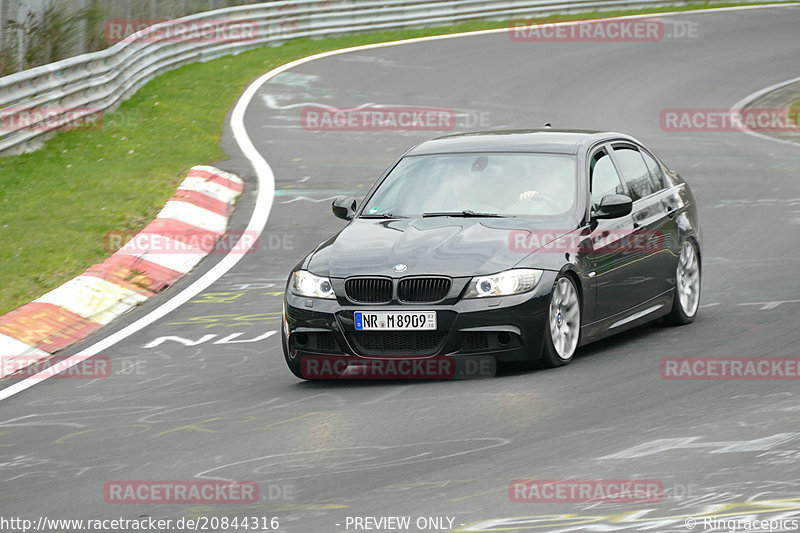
204 393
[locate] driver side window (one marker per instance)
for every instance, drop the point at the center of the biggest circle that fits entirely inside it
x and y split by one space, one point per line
604 177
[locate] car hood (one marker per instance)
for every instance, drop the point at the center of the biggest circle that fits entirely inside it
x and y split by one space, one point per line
427 246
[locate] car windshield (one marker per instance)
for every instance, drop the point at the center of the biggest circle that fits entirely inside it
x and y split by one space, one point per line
477 184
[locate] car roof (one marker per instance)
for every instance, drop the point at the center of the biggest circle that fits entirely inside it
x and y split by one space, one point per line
534 140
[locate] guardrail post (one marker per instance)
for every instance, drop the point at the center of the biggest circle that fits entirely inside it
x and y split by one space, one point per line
3 19
83 40
20 50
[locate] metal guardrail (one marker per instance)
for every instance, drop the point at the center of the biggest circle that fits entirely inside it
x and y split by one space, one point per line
98 82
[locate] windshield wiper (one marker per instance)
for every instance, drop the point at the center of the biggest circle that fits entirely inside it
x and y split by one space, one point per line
466 213
379 215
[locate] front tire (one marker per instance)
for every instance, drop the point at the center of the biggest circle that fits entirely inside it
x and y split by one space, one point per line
686 300
563 328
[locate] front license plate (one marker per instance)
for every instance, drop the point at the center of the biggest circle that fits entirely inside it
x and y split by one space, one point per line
419 320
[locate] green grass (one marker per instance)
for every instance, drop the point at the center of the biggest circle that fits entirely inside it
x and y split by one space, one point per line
57 203
794 109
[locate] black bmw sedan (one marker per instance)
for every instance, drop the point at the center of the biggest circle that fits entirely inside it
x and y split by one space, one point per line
519 245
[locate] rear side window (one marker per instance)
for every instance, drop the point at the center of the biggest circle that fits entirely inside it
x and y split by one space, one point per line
655 171
605 179
634 172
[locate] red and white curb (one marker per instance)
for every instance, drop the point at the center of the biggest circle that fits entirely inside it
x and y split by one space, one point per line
198 212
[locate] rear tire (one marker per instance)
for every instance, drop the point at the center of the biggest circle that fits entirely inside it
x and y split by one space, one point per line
686 300
563 328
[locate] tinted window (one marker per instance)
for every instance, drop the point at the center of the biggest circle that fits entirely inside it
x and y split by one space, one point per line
635 172
605 179
655 171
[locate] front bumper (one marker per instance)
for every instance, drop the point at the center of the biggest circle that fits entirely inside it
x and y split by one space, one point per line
509 328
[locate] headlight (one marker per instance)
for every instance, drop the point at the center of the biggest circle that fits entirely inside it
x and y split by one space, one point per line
514 281
304 283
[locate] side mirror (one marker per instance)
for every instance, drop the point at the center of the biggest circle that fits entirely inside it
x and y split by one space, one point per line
344 207
614 206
